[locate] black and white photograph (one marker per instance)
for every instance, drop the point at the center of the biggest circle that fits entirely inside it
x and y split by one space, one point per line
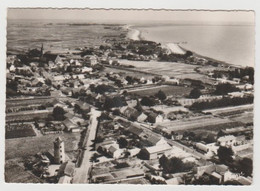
128 96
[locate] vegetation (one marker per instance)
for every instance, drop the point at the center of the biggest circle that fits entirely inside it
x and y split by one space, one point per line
161 95
195 93
58 113
224 89
225 154
245 166
148 101
224 102
174 165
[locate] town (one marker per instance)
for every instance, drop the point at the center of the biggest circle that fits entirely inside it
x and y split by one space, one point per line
127 112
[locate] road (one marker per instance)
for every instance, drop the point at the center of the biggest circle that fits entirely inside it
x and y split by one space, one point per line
82 173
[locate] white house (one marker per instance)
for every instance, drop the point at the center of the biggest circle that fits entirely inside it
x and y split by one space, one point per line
228 140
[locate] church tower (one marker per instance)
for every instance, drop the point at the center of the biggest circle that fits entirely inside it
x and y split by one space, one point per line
59 151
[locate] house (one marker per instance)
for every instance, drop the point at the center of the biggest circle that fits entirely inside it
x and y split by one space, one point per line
207 149
134 152
71 126
83 106
86 69
115 152
66 172
58 78
217 173
156 140
154 152
135 130
37 82
129 112
142 117
227 140
59 103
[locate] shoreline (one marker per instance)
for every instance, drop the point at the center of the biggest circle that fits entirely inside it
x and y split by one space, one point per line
136 34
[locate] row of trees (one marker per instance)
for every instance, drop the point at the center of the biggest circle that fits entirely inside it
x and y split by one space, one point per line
224 102
174 165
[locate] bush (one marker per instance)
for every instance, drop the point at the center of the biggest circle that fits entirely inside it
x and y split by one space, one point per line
161 95
195 93
58 113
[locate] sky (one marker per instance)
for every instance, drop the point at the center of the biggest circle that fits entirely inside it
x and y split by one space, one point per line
234 17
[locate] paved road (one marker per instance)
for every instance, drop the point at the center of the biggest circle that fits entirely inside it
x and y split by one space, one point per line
82 173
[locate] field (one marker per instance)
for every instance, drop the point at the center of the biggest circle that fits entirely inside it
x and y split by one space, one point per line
27 115
23 147
25 132
171 69
202 122
125 73
28 101
16 174
176 91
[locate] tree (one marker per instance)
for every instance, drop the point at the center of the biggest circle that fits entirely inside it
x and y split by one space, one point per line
246 166
224 89
195 93
174 165
225 154
58 113
147 101
161 95
122 142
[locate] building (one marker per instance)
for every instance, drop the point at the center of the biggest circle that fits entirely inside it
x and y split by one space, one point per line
154 152
217 173
142 117
59 151
227 140
115 152
156 140
207 149
66 172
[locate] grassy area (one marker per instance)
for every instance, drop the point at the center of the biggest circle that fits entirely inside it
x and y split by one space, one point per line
24 147
176 91
171 69
125 73
16 174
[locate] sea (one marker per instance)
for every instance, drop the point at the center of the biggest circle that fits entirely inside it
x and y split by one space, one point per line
233 44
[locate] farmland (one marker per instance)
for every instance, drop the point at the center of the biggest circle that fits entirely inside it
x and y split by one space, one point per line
28 101
20 133
27 115
122 72
28 146
15 173
176 91
201 122
171 69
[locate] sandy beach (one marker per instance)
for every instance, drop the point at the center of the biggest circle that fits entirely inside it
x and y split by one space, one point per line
134 34
174 48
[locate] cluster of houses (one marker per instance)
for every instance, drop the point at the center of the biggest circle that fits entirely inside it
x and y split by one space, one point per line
56 167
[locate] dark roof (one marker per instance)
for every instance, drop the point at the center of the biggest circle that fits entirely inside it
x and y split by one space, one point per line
153 139
135 130
66 169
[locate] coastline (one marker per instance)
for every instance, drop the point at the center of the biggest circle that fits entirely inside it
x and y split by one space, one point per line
136 34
